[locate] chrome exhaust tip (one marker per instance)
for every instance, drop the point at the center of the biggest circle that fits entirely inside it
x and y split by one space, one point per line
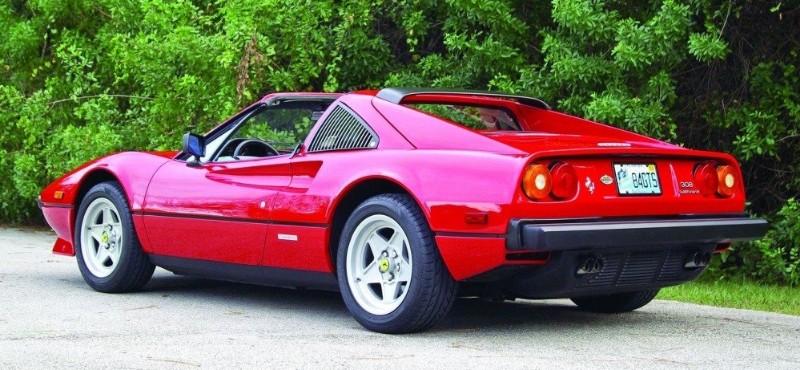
697 260
590 266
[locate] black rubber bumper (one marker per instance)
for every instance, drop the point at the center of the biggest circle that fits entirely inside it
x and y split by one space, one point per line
538 235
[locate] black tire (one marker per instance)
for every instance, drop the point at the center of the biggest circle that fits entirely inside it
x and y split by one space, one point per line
431 290
616 303
133 268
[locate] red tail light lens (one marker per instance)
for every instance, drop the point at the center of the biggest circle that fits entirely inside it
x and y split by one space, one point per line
537 182
727 181
565 181
706 178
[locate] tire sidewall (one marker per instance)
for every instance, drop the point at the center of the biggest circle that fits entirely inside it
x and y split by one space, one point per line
402 216
110 192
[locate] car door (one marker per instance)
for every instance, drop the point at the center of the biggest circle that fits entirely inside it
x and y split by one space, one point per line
216 212
218 208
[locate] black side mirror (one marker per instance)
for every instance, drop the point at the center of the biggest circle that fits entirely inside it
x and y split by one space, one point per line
194 144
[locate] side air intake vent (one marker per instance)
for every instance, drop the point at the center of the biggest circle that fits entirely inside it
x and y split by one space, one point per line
343 130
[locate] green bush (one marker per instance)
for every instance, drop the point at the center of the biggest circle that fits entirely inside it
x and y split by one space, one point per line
774 259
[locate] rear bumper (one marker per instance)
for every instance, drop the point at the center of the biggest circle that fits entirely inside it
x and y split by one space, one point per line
537 235
623 270
627 255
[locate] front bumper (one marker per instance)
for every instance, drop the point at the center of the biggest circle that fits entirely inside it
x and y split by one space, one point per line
544 236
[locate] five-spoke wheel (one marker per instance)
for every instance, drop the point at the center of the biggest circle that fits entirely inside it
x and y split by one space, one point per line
379 264
102 237
390 272
109 255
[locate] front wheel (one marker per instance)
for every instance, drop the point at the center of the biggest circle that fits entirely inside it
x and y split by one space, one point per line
109 255
390 273
615 303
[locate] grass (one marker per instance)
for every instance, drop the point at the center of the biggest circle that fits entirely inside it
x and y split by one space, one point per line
737 294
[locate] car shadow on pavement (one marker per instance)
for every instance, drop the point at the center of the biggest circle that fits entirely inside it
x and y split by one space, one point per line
468 314
208 290
473 314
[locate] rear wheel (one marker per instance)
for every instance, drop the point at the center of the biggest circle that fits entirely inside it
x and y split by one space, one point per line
615 303
109 255
390 273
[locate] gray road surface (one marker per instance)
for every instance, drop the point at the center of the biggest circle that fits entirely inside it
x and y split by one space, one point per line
50 319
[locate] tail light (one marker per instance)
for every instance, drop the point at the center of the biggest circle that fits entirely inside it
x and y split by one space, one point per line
706 178
565 181
727 181
537 182
560 181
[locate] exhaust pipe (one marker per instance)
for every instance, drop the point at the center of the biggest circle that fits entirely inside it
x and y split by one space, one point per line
590 266
697 260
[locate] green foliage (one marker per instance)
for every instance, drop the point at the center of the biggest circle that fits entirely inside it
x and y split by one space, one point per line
766 123
83 78
608 65
707 47
774 259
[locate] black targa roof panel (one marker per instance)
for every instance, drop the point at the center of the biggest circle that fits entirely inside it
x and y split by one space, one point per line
397 94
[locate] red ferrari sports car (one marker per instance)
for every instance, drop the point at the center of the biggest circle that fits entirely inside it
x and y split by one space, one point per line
403 199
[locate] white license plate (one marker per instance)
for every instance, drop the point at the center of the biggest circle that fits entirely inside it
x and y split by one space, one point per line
637 178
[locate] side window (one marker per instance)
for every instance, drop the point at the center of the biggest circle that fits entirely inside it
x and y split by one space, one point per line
343 130
270 131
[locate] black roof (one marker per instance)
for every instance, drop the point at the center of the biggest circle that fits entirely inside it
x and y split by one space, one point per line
397 94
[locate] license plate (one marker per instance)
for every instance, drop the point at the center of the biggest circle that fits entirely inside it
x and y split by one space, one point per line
637 178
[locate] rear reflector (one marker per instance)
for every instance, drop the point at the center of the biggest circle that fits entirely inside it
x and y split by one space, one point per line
476 218
706 178
565 181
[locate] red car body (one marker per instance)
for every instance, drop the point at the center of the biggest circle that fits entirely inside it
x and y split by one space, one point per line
278 219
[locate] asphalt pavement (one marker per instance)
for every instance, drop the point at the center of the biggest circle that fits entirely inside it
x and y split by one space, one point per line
49 318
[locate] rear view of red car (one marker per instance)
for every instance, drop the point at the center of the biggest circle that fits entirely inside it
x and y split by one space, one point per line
404 199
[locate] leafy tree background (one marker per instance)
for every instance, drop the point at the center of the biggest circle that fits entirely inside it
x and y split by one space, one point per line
79 79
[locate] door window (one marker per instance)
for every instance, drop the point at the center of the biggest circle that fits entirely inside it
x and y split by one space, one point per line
268 131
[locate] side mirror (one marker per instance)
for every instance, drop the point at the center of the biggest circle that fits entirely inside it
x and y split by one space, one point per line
194 144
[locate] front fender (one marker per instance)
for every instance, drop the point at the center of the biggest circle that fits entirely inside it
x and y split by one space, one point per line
60 199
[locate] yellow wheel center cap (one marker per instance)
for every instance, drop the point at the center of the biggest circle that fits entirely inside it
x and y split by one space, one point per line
104 238
383 264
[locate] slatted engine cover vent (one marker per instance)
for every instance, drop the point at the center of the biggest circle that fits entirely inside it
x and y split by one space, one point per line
343 130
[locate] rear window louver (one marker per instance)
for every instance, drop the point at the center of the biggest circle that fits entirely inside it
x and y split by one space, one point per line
343 130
